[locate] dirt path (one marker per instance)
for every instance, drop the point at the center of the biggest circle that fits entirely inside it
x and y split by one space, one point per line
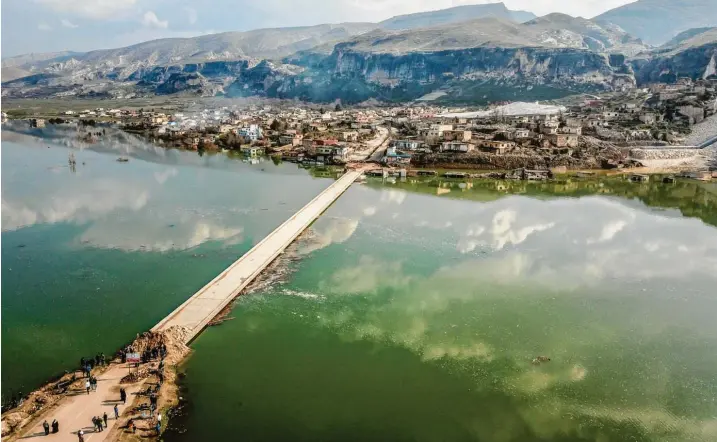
75 411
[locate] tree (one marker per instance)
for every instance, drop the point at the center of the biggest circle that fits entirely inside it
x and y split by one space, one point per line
276 125
337 108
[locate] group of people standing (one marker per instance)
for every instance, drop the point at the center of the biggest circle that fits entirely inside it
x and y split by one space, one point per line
55 427
91 384
86 365
100 423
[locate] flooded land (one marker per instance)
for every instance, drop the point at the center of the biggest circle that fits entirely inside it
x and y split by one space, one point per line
577 309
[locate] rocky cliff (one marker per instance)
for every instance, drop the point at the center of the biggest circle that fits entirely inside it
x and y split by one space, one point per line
482 74
695 57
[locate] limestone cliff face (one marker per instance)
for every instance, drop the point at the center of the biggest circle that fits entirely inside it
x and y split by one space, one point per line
474 75
354 75
534 65
696 62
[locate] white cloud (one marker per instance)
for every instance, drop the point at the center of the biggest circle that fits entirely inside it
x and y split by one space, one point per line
162 177
105 197
335 231
609 231
191 14
95 9
68 24
155 236
393 196
151 20
44 27
369 211
504 231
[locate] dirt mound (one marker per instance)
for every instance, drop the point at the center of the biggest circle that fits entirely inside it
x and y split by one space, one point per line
173 339
36 402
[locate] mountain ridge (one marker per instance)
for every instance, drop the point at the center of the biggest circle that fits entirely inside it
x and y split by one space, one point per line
553 54
455 14
657 21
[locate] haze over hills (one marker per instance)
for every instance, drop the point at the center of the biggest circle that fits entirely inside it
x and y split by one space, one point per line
551 31
657 21
454 15
494 56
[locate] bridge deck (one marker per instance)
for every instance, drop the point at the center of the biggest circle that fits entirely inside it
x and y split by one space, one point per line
204 305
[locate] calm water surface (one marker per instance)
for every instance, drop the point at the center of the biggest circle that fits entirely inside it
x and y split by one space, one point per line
414 313
415 316
94 256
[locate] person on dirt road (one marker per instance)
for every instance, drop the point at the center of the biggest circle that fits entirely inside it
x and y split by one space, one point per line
81 436
123 395
55 426
87 386
116 412
104 418
46 427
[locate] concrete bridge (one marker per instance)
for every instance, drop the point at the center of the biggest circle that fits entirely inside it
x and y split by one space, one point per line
203 306
75 411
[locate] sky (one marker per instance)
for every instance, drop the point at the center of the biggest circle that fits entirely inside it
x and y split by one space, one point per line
36 26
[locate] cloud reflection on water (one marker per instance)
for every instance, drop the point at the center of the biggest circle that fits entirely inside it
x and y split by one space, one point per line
596 283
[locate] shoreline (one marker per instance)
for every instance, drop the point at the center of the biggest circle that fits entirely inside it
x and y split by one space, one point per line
703 159
41 401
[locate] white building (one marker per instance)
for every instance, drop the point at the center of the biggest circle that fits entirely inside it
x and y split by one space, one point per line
253 132
436 130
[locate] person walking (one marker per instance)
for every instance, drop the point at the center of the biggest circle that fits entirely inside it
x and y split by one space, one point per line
81 436
123 395
104 418
55 426
158 427
46 427
87 386
116 412
99 423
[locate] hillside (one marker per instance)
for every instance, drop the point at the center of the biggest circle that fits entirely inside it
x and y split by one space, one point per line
657 21
252 45
552 31
455 15
474 60
686 35
463 35
24 59
565 30
695 57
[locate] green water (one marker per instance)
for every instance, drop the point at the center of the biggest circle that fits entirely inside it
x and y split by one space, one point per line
414 313
416 317
94 256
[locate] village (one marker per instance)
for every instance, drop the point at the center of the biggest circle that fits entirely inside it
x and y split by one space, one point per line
586 132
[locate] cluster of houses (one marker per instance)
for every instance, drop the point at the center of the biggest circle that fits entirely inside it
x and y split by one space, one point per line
298 133
660 113
462 135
